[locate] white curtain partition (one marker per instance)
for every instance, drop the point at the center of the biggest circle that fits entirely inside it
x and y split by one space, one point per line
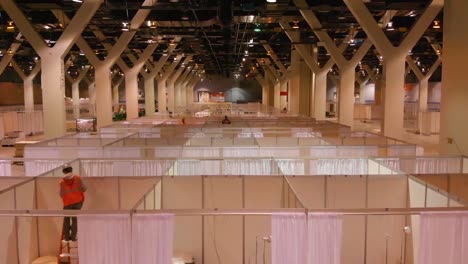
250 167
443 238
103 168
152 238
104 239
291 166
5 168
96 168
38 167
289 239
297 240
325 235
340 167
152 167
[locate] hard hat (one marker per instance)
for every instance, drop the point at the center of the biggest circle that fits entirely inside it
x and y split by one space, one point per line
67 168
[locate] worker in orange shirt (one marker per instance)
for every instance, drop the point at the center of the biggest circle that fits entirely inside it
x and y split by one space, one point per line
72 191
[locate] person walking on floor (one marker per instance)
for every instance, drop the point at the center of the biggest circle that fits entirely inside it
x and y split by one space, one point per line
72 191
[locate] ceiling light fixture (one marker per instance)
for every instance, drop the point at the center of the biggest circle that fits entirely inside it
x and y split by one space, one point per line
390 26
10 26
257 28
184 16
436 24
271 1
296 25
77 1
125 26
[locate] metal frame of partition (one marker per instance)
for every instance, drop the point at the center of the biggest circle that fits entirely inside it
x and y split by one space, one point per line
228 212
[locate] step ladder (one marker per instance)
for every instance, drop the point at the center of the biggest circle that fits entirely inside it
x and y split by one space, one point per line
68 252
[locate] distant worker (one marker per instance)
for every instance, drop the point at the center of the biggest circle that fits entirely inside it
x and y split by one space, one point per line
226 120
72 191
285 110
182 121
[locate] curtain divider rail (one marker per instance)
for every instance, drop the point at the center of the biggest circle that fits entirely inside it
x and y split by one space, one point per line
246 212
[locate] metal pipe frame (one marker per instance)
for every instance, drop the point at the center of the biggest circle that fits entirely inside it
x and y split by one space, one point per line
231 212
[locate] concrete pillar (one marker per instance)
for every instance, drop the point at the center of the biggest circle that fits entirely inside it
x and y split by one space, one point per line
346 96
305 89
28 95
92 97
453 118
170 85
76 99
320 95
394 96
150 107
162 97
423 94
294 83
115 93
104 95
284 88
53 77
131 93
27 83
394 59
53 95
265 93
162 86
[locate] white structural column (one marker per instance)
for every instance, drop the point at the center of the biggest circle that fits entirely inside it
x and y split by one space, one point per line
362 82
162 97
423 87
274 85
191 85
294 83
170 85
283 76
91 95
52 76
75 85
8 56
377 82
183 85
453 118
270 79
320 96
394 60
347 67
115 92
189 89
180 91
263 83
131 80
149 77
102 67
28 84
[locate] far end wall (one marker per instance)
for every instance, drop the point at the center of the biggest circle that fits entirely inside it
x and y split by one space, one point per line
234 90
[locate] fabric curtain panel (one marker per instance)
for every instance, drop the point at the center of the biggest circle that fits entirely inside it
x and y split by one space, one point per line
289 238
325 232
96 168
37 167
342 167
5 168
291 166
443 238
152 167
152 238
104 239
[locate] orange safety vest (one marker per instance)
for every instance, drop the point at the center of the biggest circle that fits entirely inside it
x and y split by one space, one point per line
71 190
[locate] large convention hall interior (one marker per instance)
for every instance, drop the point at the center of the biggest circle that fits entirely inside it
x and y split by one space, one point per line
233 131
